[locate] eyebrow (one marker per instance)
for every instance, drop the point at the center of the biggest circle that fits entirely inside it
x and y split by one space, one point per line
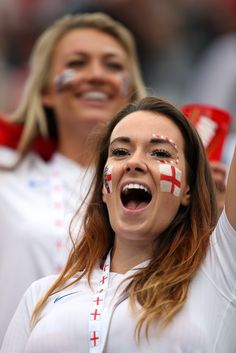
120 139
156 140
107 53
153 140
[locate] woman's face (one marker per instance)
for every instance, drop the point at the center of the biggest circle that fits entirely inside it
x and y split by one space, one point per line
145 176
97 84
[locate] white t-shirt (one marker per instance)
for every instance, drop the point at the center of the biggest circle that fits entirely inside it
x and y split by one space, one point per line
33 244
205 324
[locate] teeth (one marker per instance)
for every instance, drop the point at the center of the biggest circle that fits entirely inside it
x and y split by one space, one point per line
97 95
135 186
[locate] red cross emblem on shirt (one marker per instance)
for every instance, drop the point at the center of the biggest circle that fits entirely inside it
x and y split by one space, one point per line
103 279
94 338
58 243
105 267
58 223
95 314
98 300
170 179
57 187
57 204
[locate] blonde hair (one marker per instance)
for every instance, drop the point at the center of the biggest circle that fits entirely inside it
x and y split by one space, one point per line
161 288
30 111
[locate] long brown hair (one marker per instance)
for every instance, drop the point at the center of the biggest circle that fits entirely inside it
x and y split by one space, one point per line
160 288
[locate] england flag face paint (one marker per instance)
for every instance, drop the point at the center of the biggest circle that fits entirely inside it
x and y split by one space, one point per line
170 179
107 179
63 80
125 84
171 148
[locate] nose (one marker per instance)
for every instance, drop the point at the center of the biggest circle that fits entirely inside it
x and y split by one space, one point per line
96 71
136 165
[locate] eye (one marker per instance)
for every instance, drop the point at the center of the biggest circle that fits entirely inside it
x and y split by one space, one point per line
119 152
76 63
161 153
115 66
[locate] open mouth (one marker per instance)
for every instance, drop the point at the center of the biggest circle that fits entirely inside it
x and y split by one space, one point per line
135 196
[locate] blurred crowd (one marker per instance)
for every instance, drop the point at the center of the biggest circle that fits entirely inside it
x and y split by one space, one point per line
187 48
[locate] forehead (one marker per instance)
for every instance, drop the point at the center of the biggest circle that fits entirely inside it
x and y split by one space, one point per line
142 125
89 40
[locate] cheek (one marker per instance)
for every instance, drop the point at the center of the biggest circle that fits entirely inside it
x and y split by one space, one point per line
64 80
125 85
170 179
107 179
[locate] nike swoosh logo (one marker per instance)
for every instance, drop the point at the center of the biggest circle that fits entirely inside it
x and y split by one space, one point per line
63 296
37 183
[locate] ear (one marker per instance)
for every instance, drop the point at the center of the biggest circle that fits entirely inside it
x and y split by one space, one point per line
186 197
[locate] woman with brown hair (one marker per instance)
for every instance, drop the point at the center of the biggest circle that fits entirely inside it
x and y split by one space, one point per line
83 70
153 271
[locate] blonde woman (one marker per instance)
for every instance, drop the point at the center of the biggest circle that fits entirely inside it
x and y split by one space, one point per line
154 271
83 70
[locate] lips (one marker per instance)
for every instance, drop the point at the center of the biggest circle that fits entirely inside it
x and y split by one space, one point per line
135 196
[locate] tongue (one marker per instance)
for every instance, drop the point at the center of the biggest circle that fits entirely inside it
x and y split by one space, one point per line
135 205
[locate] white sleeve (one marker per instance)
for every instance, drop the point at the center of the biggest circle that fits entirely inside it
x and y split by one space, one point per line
19 328
220 262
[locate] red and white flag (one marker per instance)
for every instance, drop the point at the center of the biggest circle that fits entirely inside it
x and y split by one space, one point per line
107 179
62 80
170 179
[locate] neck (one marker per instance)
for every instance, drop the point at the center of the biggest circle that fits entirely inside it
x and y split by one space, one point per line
75 146
128 254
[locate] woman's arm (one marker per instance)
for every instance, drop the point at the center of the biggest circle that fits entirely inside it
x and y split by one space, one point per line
219 171
230 200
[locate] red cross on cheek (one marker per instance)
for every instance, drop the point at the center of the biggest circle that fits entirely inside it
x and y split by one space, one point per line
170 179
94 338
108 179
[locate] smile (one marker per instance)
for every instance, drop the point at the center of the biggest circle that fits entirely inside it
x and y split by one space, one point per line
95 95
135 196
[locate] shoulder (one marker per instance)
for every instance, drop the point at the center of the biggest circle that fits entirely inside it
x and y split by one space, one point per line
224 229
30 162
8 156
43 283
38 288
